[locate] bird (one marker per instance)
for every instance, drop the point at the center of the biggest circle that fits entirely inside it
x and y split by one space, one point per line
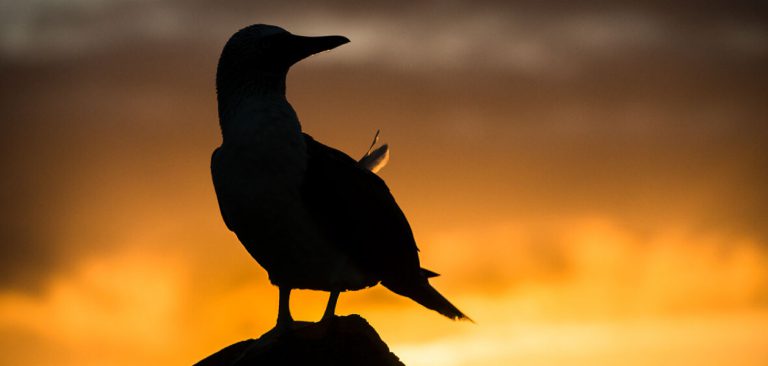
312 216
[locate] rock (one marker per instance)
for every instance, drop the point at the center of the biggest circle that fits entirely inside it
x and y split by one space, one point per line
345 340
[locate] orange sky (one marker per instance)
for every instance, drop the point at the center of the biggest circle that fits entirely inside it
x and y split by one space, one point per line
589 180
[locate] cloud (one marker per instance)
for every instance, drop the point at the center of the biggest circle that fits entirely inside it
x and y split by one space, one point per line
526 40
126 300
695 339
601 266
613 292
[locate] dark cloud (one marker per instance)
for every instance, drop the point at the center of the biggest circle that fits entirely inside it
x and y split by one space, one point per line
522 36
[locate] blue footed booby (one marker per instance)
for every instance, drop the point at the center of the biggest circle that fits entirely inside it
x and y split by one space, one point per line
310 215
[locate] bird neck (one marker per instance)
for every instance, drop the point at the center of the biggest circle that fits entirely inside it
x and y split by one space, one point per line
266 85
261 85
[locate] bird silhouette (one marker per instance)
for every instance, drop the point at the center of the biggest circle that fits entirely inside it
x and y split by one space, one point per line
311 215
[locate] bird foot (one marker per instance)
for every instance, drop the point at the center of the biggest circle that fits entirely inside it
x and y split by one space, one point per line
328 318
282 328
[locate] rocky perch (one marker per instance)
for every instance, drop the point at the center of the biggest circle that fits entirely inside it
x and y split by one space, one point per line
344 340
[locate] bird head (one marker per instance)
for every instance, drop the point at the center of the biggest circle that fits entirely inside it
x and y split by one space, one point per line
256 59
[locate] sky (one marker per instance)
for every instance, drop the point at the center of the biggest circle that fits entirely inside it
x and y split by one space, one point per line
589 179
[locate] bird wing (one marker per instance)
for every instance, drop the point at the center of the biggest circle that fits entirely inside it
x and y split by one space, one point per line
356 212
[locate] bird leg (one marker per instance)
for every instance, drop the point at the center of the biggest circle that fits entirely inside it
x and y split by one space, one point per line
284 319
330 309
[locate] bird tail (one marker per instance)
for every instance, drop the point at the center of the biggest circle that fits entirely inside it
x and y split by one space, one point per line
426 295
428 274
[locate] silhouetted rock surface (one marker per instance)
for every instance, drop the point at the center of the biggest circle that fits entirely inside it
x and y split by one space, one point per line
345 340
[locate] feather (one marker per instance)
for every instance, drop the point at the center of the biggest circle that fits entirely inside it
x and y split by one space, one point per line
375 159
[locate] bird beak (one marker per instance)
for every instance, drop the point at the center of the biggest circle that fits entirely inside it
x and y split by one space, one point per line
303 47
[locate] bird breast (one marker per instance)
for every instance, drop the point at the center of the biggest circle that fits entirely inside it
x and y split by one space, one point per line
264 136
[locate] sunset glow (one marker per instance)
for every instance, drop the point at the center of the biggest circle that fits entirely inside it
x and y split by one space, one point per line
588 181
